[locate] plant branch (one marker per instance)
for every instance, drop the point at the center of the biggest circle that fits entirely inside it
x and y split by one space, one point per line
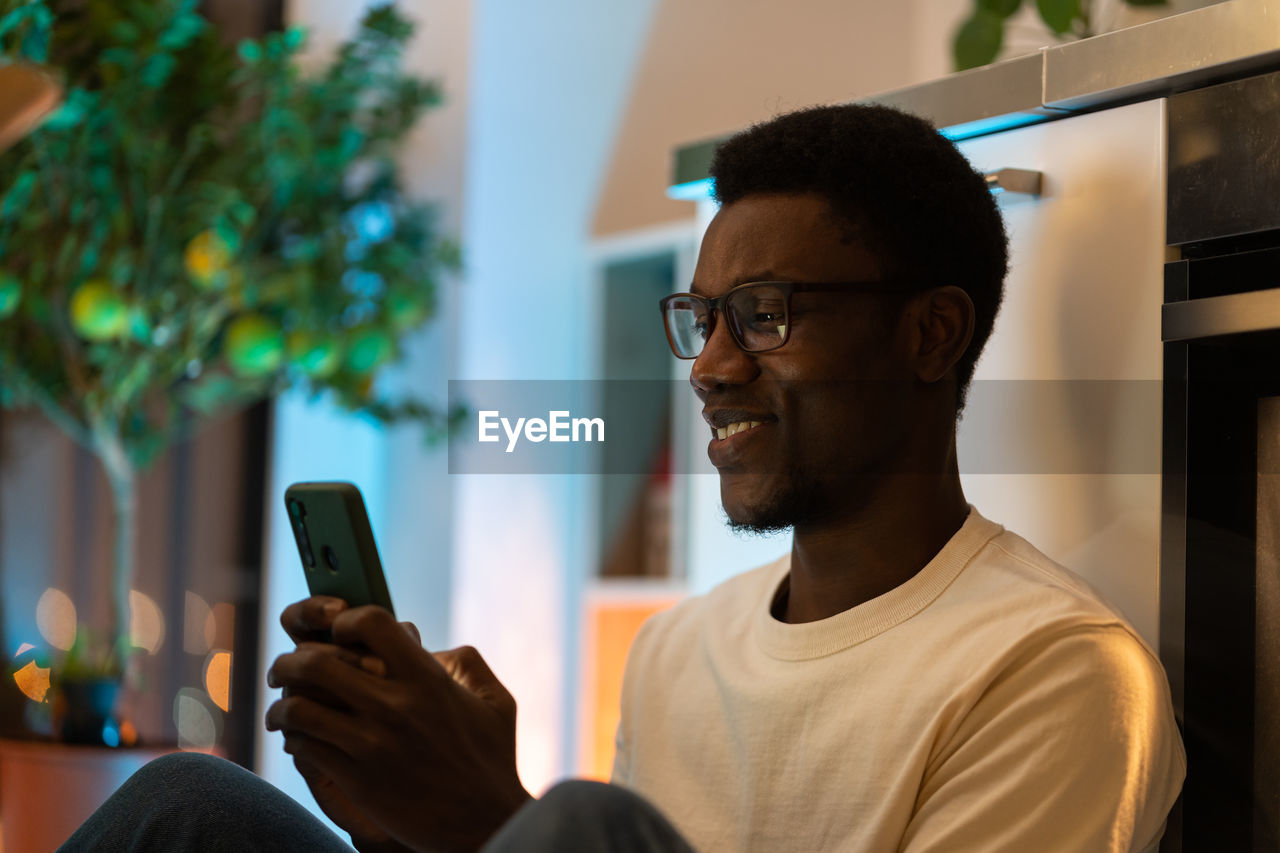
30 389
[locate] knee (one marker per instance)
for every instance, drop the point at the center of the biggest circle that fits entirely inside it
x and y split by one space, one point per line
189 782
579 797
184 771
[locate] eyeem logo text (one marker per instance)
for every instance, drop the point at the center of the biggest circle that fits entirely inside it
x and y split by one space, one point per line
558 427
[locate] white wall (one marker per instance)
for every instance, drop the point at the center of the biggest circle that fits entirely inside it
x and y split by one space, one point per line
548 83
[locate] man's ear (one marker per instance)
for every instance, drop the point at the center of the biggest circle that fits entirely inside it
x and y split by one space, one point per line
942 328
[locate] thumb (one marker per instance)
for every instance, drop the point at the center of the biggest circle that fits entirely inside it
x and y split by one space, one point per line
467 668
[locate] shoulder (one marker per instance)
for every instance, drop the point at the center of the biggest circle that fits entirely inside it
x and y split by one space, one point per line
1027 594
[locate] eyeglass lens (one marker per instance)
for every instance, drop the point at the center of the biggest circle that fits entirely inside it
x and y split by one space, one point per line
756 313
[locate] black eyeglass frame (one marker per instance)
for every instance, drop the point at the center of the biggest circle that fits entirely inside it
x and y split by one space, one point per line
715 305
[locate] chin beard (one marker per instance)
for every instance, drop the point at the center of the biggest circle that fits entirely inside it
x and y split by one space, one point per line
792 505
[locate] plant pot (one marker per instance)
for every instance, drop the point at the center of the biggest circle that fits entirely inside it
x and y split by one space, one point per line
84 711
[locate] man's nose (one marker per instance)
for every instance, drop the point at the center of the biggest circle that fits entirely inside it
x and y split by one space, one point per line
722 361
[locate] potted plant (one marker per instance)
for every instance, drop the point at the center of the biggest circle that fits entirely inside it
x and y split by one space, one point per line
981 35
198 227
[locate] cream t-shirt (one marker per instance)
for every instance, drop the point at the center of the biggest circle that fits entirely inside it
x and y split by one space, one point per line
993 702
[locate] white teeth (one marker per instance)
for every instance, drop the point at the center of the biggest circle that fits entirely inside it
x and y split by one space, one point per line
734 428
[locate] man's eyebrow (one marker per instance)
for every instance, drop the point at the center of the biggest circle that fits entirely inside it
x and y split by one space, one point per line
763 275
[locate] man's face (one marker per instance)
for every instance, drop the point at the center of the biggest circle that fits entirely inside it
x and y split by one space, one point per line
831 402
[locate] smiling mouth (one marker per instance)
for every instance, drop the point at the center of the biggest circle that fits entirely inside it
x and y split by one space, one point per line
721 433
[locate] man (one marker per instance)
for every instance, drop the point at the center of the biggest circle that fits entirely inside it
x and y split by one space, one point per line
911 676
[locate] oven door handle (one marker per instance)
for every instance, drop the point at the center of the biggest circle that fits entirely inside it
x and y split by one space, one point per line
1213 316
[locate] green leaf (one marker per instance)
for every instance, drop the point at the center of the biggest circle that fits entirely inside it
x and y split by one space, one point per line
157 70
250 51
182 31
19 195
978 40
1059 14
1003 8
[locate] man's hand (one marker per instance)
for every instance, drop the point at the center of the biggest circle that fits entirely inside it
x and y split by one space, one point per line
422 746
308 624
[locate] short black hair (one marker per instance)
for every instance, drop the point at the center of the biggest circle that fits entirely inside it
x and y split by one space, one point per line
901 188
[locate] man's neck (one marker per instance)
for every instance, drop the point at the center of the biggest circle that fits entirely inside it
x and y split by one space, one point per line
839 565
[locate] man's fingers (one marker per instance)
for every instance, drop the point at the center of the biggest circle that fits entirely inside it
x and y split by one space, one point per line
314 757
327 670
311 618
377 630
300 715
468 668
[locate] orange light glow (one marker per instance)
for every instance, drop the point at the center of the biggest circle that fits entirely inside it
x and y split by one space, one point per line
217 679
56 618
611 627
33 681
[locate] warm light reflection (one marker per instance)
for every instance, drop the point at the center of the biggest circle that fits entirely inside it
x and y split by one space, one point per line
33 681
217 679
197 728
56 618
195 625
219 627
146 622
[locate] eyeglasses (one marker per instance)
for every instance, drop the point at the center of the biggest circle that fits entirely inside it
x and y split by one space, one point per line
759 313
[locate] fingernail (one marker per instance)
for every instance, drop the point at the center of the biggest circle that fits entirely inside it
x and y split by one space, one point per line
271 679
333 608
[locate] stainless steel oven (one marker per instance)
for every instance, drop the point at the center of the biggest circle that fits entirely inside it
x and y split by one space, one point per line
1220 537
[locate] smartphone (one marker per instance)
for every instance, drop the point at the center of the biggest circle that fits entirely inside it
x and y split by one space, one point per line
336 544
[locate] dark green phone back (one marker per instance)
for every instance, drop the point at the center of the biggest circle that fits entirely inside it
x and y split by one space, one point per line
345 557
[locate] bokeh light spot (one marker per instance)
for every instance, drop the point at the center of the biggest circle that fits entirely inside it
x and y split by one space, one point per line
146 622
217 679
33 681
197 728
195 624
56 618
25 647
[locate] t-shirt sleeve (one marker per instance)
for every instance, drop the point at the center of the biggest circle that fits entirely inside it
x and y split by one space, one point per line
1072 747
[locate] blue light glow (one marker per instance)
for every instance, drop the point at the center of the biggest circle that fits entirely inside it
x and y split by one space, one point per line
691 190
995 124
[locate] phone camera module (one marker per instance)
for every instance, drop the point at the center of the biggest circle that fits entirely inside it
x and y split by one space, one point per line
330 558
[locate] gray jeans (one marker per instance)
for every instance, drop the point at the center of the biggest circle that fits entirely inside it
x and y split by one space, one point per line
194 802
